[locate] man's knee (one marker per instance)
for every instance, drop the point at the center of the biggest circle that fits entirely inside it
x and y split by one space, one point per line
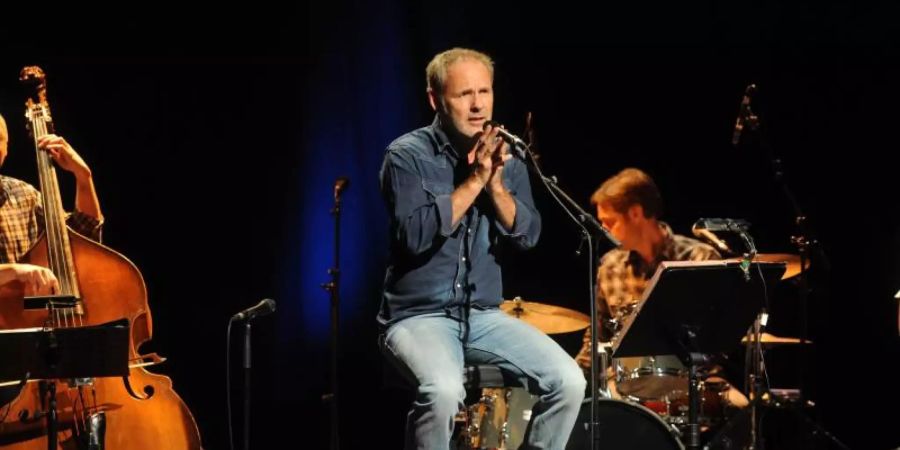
571 382
444 396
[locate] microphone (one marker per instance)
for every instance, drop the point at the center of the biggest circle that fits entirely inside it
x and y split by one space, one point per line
744 114
708 236
733 225
340 185
267 306
517 145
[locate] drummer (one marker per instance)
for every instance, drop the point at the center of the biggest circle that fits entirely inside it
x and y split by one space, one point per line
629 204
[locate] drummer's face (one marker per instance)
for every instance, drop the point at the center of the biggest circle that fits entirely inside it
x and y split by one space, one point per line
618 223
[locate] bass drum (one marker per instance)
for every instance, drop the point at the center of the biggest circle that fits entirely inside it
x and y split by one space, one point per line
623 426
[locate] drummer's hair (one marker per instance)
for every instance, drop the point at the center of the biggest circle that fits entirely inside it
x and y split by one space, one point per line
630 187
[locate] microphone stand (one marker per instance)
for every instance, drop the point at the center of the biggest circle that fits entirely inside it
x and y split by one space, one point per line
586 223
807 246
246 358
331 398
267 306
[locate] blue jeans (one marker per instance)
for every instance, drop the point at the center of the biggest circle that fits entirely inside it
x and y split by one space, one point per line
431 349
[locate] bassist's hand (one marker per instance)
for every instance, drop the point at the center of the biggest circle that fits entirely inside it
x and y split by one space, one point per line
65 156
36 280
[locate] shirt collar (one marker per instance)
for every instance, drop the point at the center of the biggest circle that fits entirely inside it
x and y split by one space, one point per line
664 251
443 141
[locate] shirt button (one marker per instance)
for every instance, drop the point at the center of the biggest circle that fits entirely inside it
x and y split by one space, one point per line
469 230
459 285
464 259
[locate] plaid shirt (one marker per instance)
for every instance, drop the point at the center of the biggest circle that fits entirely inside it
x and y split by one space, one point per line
623 275
22 219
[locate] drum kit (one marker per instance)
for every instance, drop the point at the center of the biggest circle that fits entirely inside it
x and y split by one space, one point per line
645 404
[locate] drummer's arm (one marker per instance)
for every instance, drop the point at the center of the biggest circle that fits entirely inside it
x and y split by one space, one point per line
704 253
583 358
584 355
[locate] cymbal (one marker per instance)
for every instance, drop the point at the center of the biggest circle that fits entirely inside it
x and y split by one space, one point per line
771 339
791 261
550 319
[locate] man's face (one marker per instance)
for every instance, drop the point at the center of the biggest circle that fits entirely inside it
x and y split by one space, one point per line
468 96
622 225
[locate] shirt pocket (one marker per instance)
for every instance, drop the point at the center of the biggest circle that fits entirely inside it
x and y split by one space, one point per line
435 188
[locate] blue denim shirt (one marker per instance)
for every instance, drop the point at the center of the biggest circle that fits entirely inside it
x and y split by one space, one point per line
434 266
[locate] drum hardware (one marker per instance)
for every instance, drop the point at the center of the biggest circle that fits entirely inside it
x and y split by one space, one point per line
692 323
497 420
763 397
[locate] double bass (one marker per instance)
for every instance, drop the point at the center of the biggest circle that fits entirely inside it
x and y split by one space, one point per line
140 411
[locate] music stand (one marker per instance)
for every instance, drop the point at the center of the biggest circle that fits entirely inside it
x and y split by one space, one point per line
693 308
64 353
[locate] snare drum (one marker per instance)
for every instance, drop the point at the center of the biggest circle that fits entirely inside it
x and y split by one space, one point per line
715 405
650 377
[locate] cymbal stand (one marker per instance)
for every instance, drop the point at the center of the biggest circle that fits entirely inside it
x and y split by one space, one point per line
755 377
807 246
